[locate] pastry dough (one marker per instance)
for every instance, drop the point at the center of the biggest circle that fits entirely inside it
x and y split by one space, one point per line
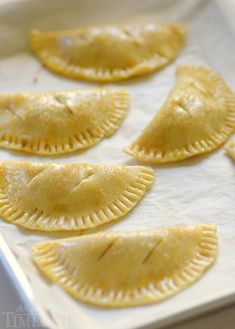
197 117
128 268
52 197
230 149
109 53
60 121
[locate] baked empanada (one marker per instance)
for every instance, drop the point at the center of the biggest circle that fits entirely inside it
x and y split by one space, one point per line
197 117
230 149
53 197
109 53
128 268
60 121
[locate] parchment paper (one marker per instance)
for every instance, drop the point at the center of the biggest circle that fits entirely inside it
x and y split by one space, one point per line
198 190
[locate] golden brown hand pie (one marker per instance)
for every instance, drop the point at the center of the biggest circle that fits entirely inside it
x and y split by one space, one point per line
109 53
53 197
197 117
128 268
230 149
60 121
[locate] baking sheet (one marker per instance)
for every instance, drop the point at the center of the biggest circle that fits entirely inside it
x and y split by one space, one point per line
195 191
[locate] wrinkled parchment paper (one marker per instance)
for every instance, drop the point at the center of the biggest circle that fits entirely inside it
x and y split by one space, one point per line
198 190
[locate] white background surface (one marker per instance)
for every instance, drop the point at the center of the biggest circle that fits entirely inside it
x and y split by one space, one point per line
199 190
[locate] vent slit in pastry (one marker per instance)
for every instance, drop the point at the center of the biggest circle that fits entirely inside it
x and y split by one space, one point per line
197 117
106 249
132 267
60 122
149 254
109 53
52 197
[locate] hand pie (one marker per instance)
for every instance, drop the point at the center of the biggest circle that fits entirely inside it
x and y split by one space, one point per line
197 117
230 149
60 121
53 197
128 268
109 53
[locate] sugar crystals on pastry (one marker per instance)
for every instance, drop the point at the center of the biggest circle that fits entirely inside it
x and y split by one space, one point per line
57 197
197 117
109 53
60 121
119 269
